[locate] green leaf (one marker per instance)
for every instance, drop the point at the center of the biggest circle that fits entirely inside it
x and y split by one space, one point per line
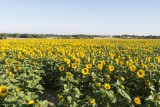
69 98
150 98
125 95
111 96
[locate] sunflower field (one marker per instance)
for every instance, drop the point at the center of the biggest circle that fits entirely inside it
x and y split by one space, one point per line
81 72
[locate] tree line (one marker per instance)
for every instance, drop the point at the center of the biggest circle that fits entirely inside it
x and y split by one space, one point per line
78 36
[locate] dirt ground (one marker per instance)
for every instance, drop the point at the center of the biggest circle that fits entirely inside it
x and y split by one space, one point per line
48 95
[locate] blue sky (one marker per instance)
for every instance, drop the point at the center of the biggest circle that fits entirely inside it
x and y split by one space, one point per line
104 17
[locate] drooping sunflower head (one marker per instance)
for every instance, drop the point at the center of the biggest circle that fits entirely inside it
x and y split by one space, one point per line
107 76
69 75
147 82
60 98
122 87
16 68
158 98
30 102
17 89
11 74
122 78
92 101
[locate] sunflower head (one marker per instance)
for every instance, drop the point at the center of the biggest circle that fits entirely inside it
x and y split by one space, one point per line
89 66
92 101
85 71
122 78
78 62
16 68
73 65
98 84
30 102
100 66
17 89
132 68
140 73
137 100
61 68
60 98
69 75
107 76
111 68
158 97
3 91
147 82
122 87
107 86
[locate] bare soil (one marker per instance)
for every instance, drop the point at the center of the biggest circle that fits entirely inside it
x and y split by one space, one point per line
49 96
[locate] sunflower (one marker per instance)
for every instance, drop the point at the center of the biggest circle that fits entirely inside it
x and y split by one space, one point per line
68 61
3 91
94 79
88 59
11 74
30 102
158 98
60 98
17 89
107 76
158 59
39 60
122 78
78 62
98 84
6 70
112 55
73 65
117 60
16 67
69 75
147 82
61 68
100 66
7 60
136 59
92 101
107 86
140 74
89 66
111 68
103 62
132 68
85 71
122 87
137 100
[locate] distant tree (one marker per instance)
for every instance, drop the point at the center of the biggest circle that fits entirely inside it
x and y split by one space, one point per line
16 35
25 36
3 35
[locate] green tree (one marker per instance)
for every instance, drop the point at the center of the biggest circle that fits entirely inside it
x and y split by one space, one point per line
16 35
